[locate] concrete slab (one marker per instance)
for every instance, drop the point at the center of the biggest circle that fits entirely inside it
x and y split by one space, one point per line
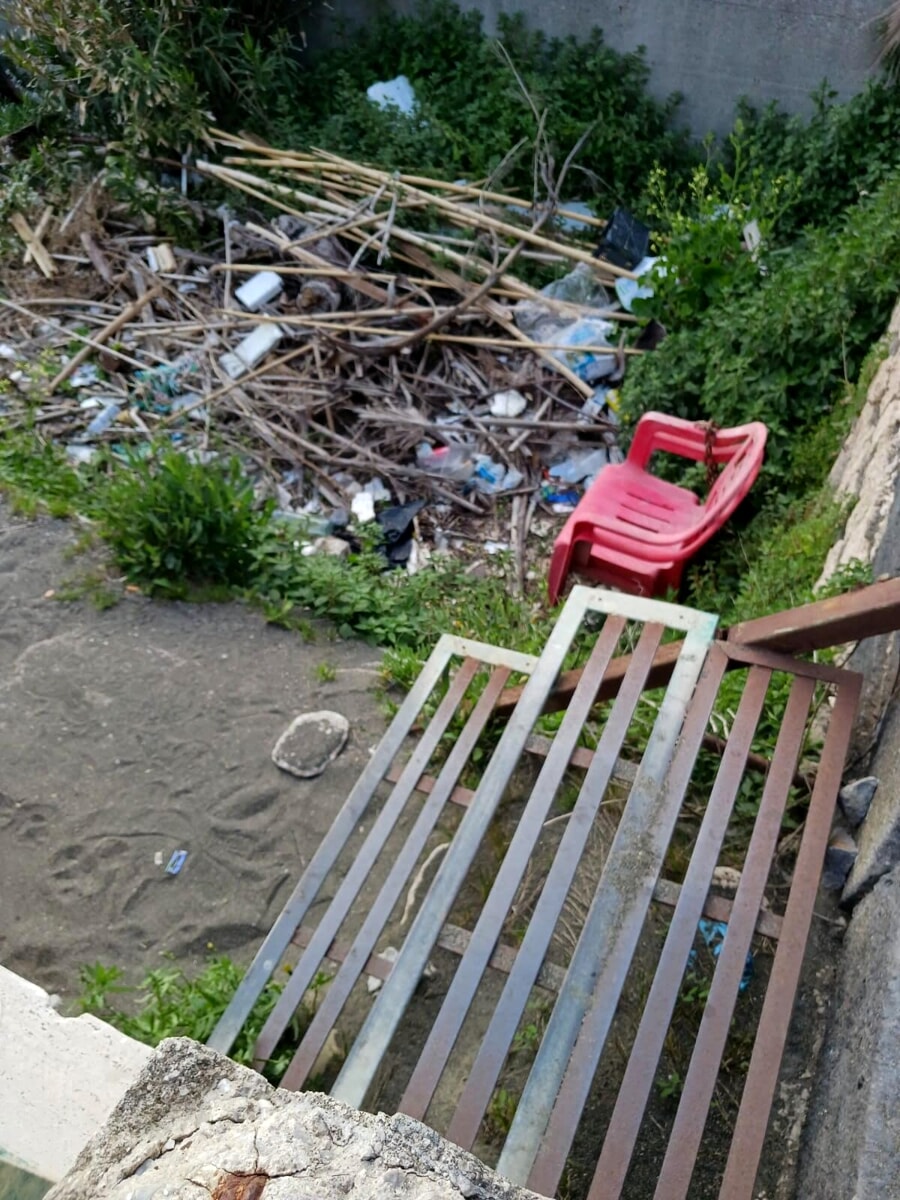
59 1078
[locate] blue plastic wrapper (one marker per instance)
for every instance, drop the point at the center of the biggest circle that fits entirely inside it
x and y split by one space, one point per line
713 933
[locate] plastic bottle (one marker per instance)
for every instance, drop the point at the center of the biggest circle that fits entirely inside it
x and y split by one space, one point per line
103 420
449 462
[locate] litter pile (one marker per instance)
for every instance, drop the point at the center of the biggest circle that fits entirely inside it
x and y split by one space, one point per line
369 345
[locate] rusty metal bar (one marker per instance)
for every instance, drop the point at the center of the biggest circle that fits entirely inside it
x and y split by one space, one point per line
762 1077
304 972
621 1135
452 938
449 1022
620 903
718 908
659 675
867 612
690 1119
611 930
404 864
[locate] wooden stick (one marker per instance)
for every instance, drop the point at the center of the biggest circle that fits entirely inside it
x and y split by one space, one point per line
33 245
98 258
103 335
71 333
39 232
322 160
464 217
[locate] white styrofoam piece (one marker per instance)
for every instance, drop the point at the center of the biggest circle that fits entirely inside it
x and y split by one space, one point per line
261 340
259 290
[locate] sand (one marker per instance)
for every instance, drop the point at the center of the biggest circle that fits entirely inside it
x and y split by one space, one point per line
128 734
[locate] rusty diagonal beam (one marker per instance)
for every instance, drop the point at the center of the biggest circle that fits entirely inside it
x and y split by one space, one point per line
867 612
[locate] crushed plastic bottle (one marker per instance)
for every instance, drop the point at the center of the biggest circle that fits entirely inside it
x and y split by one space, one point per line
546 325
454 463
593 407
491 477
581 464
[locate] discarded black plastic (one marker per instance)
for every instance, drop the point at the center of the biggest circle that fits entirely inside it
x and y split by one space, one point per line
397 525
625 240
653 333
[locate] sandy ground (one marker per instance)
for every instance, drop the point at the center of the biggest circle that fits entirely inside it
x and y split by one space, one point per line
131 733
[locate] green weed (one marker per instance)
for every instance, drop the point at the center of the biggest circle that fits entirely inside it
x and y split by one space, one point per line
670 1086
782 350
35 476
169 1004
173 524
500 1113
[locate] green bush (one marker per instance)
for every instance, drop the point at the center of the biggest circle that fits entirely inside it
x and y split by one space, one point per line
147 74
471 108
779 351
843 152
173 524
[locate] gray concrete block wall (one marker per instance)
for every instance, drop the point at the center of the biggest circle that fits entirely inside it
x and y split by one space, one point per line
714 51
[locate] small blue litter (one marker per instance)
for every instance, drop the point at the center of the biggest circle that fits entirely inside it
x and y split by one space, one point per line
176 862
713 933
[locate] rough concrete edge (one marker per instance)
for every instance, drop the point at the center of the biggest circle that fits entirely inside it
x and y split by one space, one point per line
185 1084
850 1146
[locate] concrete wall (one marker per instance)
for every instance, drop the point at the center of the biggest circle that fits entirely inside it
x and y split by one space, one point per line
714 51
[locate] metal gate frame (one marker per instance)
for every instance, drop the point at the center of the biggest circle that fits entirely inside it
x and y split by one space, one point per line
546 1120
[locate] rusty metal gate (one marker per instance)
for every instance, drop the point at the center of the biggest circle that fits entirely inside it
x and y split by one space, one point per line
373 868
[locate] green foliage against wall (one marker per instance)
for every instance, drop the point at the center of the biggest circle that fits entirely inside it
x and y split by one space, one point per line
779 351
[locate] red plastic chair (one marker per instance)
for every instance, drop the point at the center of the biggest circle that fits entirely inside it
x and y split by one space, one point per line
634 531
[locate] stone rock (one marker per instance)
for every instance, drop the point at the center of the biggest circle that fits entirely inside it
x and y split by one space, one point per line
197 1124
853 1126
311 742
856 797
868 468
335 547
839 859
879 834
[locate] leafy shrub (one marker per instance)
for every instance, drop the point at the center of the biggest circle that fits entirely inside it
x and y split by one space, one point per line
472 111
700 233
840 154
169 1004
172 523
390 608
35 474
778 352
151 74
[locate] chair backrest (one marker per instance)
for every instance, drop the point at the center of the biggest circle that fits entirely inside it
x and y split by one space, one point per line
742 450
